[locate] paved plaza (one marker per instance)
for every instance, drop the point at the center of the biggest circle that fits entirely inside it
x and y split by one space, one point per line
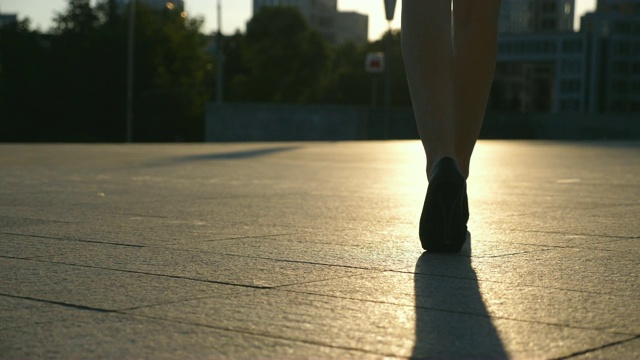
310 250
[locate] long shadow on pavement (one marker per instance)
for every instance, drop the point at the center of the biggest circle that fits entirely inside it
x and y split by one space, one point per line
231 155
452 320
235 155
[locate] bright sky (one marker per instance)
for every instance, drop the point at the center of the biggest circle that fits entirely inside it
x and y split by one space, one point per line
236 13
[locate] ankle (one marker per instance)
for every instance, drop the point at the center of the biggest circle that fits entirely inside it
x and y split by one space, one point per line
433 160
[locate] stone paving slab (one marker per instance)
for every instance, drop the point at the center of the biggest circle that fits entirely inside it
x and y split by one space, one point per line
16 313
345 248
485 298
379 328
98 288
119 336
199 265
623 350
133 229
310 250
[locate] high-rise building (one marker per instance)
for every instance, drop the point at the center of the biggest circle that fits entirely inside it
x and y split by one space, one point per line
532 46
306 7
323 16
159 4
628 7
8 19
540 72
553 15
614 73
594 70
351 26
515 17
525 16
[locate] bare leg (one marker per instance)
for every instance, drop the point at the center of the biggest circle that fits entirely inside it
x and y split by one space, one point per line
449 75
428 57
449 72
475 43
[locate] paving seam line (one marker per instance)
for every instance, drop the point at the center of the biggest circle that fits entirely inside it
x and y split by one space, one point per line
598 348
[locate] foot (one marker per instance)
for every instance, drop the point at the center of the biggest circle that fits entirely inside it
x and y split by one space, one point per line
443 223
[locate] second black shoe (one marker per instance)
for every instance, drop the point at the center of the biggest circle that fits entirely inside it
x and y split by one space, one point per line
443 223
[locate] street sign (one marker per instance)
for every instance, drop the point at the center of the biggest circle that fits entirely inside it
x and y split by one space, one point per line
374 63
390 8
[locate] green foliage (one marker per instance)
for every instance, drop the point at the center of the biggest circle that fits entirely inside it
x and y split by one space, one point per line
70 85
285 60
79 19
22 64
399 88
170 72
280 59
348 82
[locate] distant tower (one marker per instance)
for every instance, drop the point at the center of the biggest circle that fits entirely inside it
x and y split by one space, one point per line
324 17
526 16
308 8
157 4
629 7
161 4
515 17
6 19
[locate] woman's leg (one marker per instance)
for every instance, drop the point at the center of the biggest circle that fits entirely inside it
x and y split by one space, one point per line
475 41
449 76
427 50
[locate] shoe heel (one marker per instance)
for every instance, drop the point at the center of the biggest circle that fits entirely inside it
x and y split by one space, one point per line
450 199
443 222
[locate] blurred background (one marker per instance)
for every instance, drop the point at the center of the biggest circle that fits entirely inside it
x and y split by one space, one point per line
241 70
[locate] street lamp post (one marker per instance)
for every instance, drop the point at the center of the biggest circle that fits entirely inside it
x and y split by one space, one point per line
130 64
390 8
219 58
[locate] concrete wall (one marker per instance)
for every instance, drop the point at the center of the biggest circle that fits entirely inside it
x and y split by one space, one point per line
562 126
278 122
283 122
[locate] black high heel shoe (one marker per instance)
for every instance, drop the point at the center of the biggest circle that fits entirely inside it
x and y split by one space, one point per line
443 223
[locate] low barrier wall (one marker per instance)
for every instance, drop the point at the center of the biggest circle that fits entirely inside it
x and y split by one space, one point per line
283 122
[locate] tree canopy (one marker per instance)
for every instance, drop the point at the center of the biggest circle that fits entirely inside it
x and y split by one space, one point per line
285 60
70 84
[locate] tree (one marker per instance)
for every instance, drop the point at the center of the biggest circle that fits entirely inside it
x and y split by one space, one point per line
171 66
71 85
400 90
81 78
22 82
235 69
80 19
286 60
348 83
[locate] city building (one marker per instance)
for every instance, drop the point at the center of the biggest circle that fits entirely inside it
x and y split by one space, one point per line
351 26
159 4
323 15
620 6
539 72
525 16
542 70
8 19
614 38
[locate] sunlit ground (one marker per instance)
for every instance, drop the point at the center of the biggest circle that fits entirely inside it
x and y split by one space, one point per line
254 250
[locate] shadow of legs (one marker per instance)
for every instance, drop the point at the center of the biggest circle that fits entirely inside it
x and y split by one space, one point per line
451 318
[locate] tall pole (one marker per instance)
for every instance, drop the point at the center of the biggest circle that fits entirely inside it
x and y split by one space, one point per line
130 64
219 58
390 8
387 80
